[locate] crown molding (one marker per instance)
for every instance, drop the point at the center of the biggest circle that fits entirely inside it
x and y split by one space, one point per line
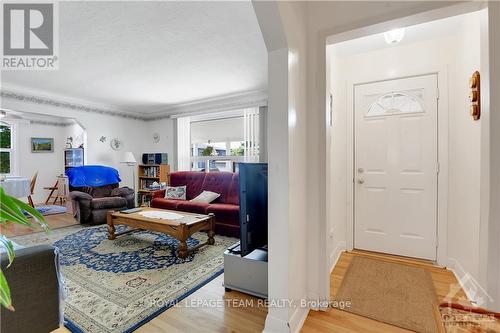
35 99
216 104
209 105
49 123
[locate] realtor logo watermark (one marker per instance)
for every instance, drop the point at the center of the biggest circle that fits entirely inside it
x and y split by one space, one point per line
30 39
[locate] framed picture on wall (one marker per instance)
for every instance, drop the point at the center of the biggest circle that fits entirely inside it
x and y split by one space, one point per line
42 145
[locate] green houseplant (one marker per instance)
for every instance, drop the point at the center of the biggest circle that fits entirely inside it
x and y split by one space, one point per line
12 211
209 151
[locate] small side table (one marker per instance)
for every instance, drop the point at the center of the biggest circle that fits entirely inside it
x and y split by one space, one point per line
144 197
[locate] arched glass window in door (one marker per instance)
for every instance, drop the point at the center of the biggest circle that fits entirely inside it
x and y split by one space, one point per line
395 102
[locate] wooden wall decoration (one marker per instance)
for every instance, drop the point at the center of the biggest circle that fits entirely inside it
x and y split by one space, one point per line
475 96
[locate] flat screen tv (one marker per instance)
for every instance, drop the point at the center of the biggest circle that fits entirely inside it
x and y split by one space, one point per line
253 206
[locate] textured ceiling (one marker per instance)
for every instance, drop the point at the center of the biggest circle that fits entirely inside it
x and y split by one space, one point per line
416 33
145 57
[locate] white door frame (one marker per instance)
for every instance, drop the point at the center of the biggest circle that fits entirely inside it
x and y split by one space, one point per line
442 177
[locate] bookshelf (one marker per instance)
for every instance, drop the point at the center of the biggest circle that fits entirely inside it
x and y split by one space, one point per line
148 174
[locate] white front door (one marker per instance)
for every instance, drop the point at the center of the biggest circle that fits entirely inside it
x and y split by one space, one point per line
396 166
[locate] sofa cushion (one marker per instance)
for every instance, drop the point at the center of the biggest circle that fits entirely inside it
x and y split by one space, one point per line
193 180
233 196
206 197
108 202
165 203
218 182
98 191
225 213
192 207
175 192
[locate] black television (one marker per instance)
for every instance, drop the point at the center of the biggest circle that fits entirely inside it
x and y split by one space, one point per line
253 206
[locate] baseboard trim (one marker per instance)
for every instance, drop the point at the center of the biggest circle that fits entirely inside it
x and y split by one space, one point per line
298 319
463 276
276 325
335 255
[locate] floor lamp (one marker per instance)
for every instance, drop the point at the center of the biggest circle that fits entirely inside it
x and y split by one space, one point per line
129 159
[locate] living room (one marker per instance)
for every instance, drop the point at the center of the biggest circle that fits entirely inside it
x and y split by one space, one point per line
180 170
117 141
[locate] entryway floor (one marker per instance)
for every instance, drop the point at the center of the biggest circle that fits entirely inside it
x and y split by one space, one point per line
335 320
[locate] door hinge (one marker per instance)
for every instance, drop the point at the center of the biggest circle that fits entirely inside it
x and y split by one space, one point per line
437 93
437 168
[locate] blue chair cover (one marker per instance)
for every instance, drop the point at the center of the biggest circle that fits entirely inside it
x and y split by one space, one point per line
92 175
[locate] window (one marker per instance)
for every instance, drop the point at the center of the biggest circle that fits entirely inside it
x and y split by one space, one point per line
397 102
218 141
237 148
209 151
6 148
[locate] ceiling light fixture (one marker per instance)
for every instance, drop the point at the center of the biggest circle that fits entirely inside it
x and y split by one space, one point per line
394 36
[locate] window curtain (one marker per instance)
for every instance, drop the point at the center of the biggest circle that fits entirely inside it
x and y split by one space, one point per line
184 144
251 134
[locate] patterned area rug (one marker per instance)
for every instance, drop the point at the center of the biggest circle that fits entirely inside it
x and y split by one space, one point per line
119 285
459 321
51 209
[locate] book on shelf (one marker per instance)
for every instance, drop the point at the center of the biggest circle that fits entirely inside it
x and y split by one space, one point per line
151 171
147 184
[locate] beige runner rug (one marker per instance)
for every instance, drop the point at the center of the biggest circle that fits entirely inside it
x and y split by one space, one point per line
392 293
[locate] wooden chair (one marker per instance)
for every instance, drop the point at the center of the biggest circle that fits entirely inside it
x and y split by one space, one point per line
62 189
32 189
52 189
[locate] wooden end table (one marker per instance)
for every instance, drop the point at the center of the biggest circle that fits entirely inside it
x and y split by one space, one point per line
180 229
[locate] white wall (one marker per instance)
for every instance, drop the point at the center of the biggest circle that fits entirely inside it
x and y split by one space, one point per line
465 155
295 21
286 135
137 135
164 127
455 57
48 165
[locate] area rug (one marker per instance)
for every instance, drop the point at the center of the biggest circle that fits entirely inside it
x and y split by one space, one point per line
119 285
48 210
456 320
392 293
51 209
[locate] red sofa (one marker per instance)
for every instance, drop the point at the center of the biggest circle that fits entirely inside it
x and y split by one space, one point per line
226 208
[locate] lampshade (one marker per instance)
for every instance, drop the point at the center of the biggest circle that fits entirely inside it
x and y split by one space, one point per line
128 158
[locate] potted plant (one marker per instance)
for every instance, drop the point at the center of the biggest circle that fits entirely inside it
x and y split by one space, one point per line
209 151
13 210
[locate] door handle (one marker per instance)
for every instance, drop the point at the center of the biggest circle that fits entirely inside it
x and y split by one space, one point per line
361 181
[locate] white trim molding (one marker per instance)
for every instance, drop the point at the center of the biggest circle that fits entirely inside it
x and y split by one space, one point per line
209 105
336 253
298 318
34 99
217 104
443 151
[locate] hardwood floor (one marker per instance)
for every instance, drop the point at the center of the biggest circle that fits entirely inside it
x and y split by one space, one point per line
55 221
335 320
242 319
229 318
234 318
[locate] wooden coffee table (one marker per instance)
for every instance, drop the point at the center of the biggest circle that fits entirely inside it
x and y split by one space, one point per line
181 229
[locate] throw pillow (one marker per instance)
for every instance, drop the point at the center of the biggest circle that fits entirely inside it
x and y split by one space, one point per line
206 197
175 192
